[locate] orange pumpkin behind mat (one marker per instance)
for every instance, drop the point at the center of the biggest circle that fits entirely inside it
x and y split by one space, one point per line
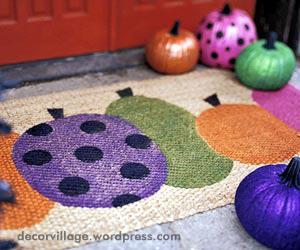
173 52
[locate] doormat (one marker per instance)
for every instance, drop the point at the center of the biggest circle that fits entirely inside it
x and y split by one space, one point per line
129 155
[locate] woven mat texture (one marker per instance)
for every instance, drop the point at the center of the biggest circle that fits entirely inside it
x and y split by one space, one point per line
170 188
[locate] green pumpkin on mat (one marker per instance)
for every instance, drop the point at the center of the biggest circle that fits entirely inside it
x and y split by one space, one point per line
191 162
266 64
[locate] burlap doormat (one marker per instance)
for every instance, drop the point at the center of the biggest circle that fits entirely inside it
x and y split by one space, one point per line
122 157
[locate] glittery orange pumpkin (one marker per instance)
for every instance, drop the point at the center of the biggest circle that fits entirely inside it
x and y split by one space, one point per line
173 52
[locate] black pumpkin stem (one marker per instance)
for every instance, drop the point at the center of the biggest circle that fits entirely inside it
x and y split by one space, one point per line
56 113
271 39
291 175
175 29
125 92
213 100
226 9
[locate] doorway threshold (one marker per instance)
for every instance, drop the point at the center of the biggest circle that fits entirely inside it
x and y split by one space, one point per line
53 69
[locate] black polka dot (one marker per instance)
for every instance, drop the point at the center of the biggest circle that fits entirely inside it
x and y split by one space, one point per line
247 27
209 26
240 41
73 186
232 61
125 199
88 154
138 141
133 170
92 127
37 157
42 129
199 36
232 24
214 55
208 41
219 34
227 48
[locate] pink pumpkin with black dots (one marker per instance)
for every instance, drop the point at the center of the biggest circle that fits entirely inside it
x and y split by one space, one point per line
222 35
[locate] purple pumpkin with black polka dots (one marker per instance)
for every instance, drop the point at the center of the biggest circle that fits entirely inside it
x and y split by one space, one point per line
90 160
222 35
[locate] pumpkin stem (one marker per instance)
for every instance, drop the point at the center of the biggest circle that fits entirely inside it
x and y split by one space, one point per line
175 29
226 9
56 113
125 92
291 175
213 100
271 39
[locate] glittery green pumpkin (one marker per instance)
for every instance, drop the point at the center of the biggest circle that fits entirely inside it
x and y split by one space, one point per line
266 64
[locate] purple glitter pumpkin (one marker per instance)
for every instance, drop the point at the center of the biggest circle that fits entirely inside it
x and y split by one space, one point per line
90 160
267 203
223 35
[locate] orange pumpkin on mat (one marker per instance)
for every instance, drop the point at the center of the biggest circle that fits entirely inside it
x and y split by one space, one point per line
173 52
30 207
247 133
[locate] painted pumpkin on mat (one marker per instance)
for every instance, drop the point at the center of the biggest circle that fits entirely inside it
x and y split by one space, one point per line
267 203
172 52
247 133
30 207
266 64
283 103
173 129
222 35
90 160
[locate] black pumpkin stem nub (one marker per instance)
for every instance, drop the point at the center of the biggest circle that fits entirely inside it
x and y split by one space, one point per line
213 100
125 92
226 9
271 39
291 175
56 113
175 29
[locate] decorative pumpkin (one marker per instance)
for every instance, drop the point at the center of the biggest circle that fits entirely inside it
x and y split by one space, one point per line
180 144
173 52
283 103
90 160
27 200
247 133
267 203
223 34
266 64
